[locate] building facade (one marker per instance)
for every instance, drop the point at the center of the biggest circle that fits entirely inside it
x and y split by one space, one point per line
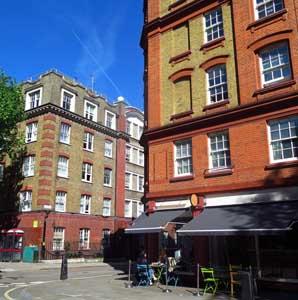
221 120
73 188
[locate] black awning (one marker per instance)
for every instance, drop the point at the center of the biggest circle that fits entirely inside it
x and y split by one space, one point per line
257 218
156 221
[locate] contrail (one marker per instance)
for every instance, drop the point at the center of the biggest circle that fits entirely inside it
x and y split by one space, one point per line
96 62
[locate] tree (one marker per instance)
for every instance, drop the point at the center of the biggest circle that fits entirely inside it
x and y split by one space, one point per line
11 113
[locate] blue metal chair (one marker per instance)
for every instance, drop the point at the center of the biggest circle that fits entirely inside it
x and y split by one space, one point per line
142 275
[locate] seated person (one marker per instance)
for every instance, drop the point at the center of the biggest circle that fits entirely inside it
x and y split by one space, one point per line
142 260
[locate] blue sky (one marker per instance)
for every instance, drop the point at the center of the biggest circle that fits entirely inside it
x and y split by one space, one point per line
80 38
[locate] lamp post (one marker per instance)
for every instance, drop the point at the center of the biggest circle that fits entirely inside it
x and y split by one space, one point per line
43 244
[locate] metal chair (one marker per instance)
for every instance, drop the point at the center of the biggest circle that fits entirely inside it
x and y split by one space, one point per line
172 276
211 283
142 275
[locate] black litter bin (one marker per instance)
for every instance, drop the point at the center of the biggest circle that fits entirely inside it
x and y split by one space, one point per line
246 283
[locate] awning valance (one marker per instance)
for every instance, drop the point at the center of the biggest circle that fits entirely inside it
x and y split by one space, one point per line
257 218
157 221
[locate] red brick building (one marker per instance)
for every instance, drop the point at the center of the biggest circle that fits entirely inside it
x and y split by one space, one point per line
70 188
221 131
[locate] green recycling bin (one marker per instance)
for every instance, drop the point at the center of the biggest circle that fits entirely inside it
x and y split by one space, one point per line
30 254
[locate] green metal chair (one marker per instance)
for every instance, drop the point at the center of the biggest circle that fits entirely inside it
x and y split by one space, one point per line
211 283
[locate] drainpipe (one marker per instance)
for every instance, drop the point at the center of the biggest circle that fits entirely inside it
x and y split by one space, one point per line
43 244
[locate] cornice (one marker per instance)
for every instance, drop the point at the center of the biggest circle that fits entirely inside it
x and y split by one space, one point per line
220 118
52 108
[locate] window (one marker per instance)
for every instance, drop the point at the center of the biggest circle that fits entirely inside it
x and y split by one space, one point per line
284 139
62 167
128 127
275 63
88 141
141 184
135 131
213 25
141 158
26 201
264 8
31 132
58 239
67 100
127 153
183 158
134 182
107 179
217 84
33 99
28 166
219 150
65 133
106 208
87 172
85 204
133 208
110 120
1 172
106 237
127 181
84 238
90 111
108 148
60 204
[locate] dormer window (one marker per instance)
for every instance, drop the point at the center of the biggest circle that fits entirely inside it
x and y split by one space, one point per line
90 111
67 100
33 99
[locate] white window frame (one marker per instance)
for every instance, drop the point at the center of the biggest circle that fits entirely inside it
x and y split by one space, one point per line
110 177
128 176
85 204
88 141
64 136
72 102
218 25
31 132
90 115
266 3
131 174
291 138
222 85
58 242
128 208
224 150
62 166
1 172
28 98
107 207
278 67
87 172
141 186
187 158
84 242
113 122
26 200
29 166
60 202
108 150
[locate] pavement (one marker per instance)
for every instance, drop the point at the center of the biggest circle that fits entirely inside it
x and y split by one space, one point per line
86 281
89 281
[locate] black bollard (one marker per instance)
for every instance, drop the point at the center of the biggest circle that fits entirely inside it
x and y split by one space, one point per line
129 285
64 272
198 282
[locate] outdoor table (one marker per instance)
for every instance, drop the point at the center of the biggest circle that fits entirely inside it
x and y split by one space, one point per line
222 273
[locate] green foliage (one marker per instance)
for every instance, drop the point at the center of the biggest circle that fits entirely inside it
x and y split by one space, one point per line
11 113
